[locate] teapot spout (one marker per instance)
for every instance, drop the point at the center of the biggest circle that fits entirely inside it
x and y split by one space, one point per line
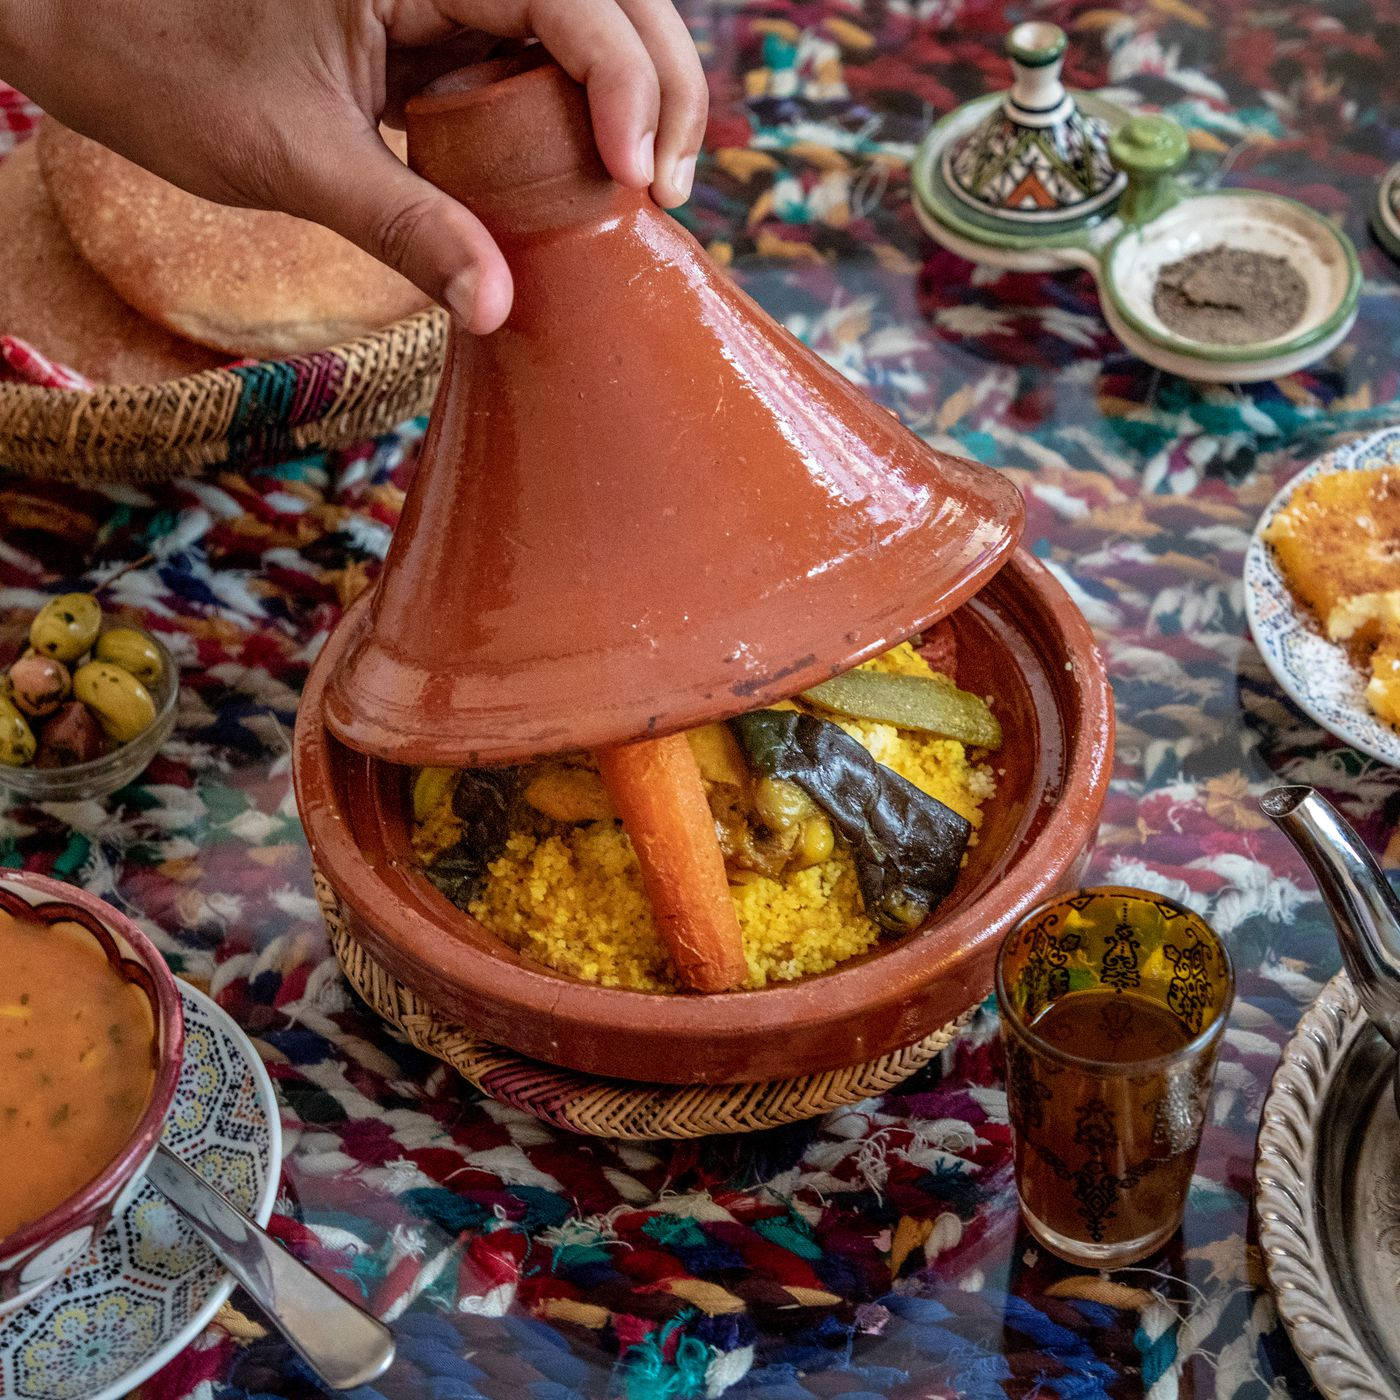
1363 906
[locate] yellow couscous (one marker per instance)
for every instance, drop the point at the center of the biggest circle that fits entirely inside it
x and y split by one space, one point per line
573 898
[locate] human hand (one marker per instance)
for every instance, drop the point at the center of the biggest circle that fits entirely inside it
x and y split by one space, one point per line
275 105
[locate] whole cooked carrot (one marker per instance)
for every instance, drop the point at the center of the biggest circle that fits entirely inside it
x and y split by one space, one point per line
656 787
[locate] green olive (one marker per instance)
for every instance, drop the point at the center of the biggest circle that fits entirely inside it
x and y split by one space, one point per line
122 705
66 626
132 650
16 737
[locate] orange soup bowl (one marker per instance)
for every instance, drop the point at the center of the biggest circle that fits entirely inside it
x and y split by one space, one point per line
1020 640
41 1249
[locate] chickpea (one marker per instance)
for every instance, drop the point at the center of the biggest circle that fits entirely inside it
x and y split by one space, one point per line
780 805
123 705
132 650
66 626
16 737
39 684
429 788
816 842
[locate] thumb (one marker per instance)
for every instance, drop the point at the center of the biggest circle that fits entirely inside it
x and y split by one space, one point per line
370 197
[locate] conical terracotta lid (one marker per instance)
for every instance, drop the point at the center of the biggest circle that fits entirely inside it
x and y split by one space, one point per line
641 504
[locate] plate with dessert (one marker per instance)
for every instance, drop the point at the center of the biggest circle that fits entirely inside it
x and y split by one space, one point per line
1322 592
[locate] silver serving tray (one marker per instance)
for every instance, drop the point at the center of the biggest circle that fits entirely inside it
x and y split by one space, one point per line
1327 1194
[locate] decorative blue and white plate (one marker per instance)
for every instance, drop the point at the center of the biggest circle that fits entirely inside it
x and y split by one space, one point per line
148 1286
1317 674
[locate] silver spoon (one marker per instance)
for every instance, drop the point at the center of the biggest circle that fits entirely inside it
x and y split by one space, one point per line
342 1343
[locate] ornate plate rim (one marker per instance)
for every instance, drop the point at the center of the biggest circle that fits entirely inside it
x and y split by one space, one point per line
178 1340
1363 731
1285 1163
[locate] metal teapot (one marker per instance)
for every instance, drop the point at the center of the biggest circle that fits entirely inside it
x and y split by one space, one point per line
1363 906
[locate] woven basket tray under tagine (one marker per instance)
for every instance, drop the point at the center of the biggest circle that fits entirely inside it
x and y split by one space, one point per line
643 507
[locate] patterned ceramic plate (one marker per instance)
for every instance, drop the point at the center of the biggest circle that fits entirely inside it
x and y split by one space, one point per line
1317 674
149 1286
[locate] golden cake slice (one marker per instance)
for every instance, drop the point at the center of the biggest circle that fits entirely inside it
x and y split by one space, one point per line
1383 690
1338 544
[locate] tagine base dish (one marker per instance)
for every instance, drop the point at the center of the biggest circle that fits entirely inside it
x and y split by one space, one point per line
148 1286
1317 675
615 1108
1327 1197
1021 640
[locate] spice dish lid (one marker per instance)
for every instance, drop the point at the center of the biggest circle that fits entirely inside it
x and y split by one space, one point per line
1037 160
641 504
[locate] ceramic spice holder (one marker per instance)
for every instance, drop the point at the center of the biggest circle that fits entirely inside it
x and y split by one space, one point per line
1037 161
640 505
1128 231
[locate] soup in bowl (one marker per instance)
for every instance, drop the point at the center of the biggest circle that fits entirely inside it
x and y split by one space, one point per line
91 1035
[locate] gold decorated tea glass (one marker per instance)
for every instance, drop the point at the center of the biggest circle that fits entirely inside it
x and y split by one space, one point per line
1112 1002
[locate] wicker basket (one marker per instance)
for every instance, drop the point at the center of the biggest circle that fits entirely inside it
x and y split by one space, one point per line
241 415
615 1108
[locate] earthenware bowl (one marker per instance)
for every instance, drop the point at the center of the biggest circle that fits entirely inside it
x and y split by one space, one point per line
38 1253
1020 639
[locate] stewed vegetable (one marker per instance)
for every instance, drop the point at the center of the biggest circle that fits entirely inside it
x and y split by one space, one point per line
765 848
932 704
907 846
483 799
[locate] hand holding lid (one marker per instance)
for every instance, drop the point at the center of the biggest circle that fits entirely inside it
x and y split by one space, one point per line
641 504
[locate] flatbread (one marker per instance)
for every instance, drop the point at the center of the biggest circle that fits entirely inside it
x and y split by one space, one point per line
50 297
241 280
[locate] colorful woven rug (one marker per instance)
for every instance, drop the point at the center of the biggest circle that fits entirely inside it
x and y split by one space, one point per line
876 1252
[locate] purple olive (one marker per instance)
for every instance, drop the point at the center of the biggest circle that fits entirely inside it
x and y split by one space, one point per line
73 735
39 684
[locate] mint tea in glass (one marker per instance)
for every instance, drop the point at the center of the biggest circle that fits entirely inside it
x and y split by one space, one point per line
1112 1002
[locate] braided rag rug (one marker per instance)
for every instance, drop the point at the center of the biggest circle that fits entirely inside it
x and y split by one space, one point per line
875 1252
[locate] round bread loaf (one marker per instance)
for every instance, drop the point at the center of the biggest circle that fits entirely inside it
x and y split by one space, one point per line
50 297
244 281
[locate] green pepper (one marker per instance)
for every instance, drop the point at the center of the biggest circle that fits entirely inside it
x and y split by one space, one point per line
929 703
485 800
907 846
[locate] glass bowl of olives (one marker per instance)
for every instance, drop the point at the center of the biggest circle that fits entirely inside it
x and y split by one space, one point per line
86 706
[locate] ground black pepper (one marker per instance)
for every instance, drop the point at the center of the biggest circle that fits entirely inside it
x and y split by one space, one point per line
1230 296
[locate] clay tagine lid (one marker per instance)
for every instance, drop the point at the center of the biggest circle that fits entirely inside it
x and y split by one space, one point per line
1037 159
641 504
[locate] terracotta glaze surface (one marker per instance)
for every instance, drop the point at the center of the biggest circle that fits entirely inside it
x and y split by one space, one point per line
1021 640
641 504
